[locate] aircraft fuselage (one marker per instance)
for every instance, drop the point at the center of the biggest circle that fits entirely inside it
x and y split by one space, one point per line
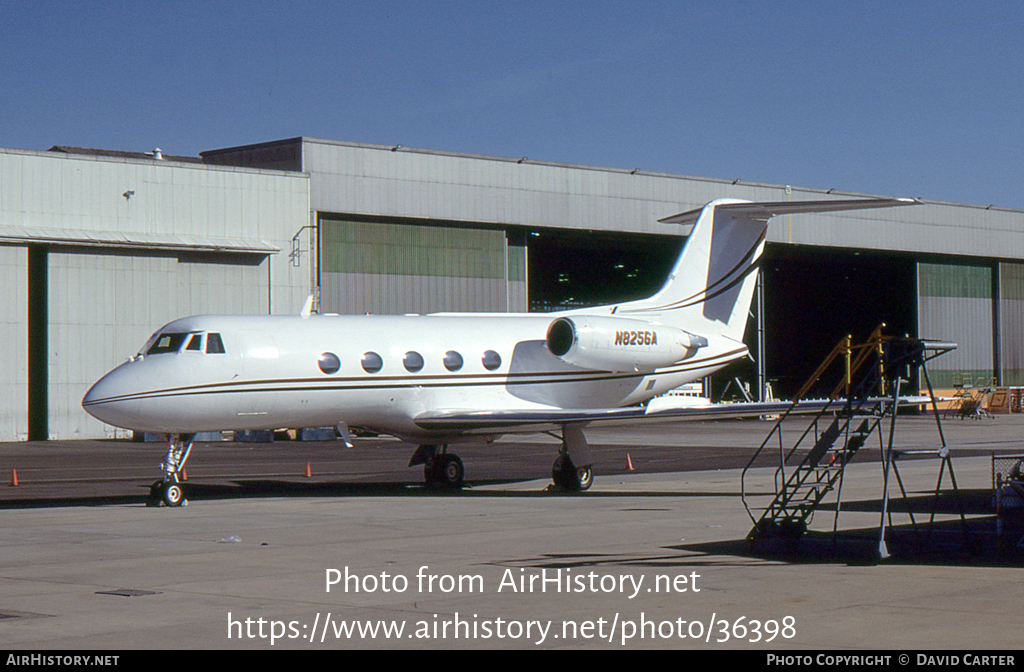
376 372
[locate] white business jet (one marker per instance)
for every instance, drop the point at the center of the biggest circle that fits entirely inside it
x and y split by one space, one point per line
434 380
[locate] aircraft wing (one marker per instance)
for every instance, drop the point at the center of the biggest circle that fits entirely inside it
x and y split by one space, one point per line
536 420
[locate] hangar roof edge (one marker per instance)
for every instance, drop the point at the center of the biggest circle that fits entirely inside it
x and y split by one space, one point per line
133 240
115 156
571 166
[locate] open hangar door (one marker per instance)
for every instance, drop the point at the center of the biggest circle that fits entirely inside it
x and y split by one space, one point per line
815 296
576 269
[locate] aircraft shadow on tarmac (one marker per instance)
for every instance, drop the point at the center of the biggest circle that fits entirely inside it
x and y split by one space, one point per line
251 488
284 488
928 544
979 541
915 535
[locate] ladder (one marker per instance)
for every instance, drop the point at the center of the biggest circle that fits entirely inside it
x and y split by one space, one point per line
868 390
821 471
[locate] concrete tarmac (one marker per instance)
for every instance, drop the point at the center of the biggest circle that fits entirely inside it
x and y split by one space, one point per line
654 558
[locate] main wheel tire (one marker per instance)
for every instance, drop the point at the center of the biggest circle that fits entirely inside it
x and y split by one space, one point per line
156 494
566 476
584 478
558 472
431 470
451 472
444 470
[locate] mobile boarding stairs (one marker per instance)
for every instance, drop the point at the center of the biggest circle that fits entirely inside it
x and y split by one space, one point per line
873 375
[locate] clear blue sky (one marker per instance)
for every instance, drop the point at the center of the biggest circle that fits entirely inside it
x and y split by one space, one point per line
902 98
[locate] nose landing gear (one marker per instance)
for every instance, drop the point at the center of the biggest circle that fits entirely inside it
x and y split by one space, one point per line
168 491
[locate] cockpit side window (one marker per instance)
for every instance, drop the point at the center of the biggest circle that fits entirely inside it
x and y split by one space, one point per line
195 343
148 344
214 345
166 343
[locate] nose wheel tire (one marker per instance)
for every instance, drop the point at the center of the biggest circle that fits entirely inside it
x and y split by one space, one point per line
173 495
168 493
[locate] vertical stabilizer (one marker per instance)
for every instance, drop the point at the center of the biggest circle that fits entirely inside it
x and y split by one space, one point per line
712 283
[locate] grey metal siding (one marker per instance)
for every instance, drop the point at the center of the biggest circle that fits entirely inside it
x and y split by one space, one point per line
104 303
14 337
955 304
403 249
103 307
373 180
397 268
518 300
87 194
1011 322
358 293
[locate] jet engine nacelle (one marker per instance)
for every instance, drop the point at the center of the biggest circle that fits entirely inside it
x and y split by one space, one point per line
619 344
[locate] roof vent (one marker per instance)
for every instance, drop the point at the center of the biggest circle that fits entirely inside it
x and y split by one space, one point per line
158 154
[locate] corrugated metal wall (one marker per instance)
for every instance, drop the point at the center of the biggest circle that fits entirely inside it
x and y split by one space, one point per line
103 307
955 304
400 182
1011 322
518 292
395 268
14 337
102 304
87 194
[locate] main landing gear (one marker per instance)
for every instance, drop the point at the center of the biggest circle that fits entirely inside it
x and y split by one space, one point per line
440 468
565 473
445 470
168 491
569 477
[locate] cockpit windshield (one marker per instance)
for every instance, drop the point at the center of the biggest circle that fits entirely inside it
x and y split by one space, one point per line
166 343
160 344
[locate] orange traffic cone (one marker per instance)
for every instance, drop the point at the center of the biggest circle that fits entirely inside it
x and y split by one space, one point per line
629 463
14 477
309 471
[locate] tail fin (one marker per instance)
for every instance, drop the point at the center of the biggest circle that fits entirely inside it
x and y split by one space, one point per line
713 280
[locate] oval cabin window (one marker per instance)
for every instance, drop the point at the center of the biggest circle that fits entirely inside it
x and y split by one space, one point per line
413 361
452 360
372 363
329 363
492 360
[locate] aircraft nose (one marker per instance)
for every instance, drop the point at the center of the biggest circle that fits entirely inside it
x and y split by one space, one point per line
106 399
103 390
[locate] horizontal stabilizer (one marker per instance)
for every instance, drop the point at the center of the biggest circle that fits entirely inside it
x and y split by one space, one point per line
766 210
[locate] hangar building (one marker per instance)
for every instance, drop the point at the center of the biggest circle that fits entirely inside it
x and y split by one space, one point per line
99 248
